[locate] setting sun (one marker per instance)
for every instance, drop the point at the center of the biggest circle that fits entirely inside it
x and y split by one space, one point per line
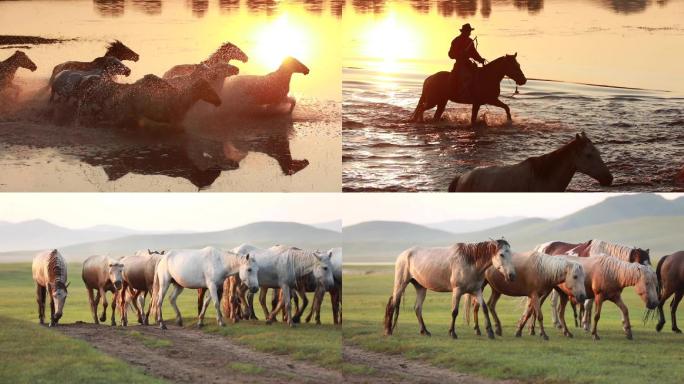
389 42
281 38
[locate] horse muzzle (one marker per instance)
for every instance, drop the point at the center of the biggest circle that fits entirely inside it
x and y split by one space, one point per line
118 285
522 81
253 289
652 305
581 298
606 180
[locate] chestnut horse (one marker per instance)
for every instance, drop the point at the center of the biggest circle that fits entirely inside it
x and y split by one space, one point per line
138 277
115 49
102 274
50 274
437 90
670 272
458 269
536 275
606 277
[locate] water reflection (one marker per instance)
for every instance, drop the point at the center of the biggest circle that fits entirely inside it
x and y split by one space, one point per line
148 7
200 8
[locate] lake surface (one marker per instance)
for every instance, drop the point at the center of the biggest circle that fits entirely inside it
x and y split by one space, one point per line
629 50
261 153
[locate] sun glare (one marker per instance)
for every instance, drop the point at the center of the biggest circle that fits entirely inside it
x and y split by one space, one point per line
281 38
389 42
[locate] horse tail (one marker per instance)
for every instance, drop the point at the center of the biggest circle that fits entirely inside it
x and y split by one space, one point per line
659 267
154 302
468 304
414 116
454 184
389 311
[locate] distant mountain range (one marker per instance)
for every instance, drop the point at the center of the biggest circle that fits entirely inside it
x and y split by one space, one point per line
465 226
262 234
644 220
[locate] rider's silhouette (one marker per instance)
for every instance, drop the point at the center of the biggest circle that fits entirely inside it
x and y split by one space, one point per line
463 51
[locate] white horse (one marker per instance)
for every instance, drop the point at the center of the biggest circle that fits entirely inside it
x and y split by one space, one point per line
281 267
551 172
71 83
200 268
50 274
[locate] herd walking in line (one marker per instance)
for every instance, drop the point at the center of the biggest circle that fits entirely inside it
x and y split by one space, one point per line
586 274
89 93
228 275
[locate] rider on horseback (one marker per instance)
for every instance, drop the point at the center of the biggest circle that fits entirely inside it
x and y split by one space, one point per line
463 50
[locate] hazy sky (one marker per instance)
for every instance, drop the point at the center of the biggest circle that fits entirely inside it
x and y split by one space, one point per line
435 207
168 211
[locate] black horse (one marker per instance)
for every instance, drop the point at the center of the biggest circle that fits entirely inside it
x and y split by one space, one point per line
485 90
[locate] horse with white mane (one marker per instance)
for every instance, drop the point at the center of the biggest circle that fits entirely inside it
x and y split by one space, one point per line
281 267
536 275
335 292
200 268
49 271
551 172
458 269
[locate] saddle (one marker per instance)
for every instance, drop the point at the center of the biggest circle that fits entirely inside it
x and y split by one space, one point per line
463 77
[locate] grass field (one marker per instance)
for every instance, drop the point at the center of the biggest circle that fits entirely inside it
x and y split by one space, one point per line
650 357
31 352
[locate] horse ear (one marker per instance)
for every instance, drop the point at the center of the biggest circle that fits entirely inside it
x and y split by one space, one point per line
515 54
247 257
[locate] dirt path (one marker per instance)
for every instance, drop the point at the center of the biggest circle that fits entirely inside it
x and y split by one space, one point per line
189 355
397 369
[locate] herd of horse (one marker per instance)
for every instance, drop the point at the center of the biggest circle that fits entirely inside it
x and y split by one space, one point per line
231 277
586 274
89 91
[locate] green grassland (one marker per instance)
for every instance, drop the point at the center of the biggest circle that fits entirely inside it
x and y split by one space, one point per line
650 357
31 361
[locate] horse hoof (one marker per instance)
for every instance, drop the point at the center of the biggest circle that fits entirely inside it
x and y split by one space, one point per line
498 332
425 332
103 319
676 330
200 325
596 337
179 323
453 335
629 336
518 334
568 334
51 324
545 337
477 332
162 326
296 319
490 335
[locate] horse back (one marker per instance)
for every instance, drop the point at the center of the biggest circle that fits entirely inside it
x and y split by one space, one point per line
179 70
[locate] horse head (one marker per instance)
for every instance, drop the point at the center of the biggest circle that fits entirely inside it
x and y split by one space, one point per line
215 72
574 280
641 256
203 91
647 286
115 273
588 160
513 69
226 53
502 259
292 65
121 51
323 269
22 60
112 66
248 272
59 295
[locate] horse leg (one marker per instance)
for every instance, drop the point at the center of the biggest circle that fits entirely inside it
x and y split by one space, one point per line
158 302
597 316
177 289
625 317
476 313
52 308
40 298
561 314
215 291
661 314
473 115
673 311
440 110
300 310
262 300
540 317
524 318
491 303
288 306
115 297
292 102
123 311
318 297
588 304
575 316
421 292
554 309
417 116
485 309
455 301
103 295
200 299
203 311
500 104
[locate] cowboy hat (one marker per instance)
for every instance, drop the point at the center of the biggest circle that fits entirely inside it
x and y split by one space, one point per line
466 27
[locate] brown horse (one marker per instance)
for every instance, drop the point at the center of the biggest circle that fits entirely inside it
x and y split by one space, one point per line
551 172
223 55
670 272
115 49
50 274
590 248
102 274
8 68
138 277
537 274
606 277
486 89
458 269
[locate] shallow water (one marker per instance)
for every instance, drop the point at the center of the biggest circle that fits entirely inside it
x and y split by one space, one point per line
256 153
391 48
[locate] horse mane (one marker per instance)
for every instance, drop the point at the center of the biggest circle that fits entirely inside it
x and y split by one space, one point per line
300 261
625 273
544 165
115 45
550 268
471 253
599 247
216 56
56 269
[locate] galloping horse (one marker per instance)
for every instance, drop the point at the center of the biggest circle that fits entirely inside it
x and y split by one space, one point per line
551 172
670 272
50 274
606 277
8 69
138 277
267 90
102 274
203 268
72 83
115 49
594 247
437 90
458 269
536 275
223 55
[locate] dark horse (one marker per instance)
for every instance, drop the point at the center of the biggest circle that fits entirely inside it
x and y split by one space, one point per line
485 90
670 272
